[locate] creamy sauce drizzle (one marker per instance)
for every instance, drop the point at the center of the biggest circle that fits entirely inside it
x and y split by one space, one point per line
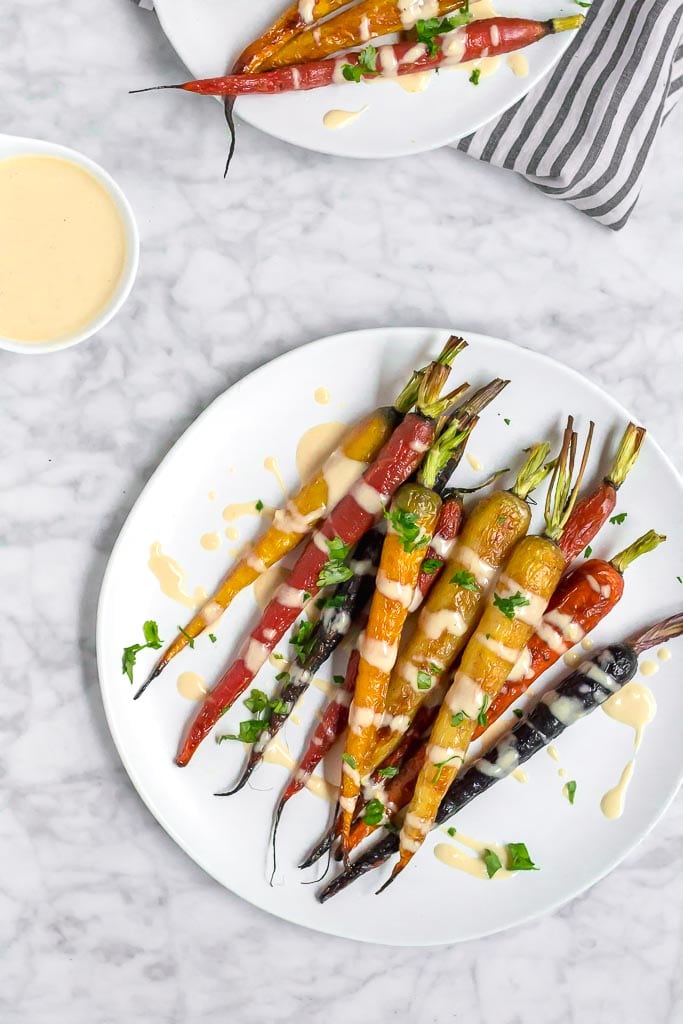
271 464
553 753
587 644
171 578
191 686
664 654
232 533
240 509
322 395
648 668
455 857
267 583
634 705
315 445
518 64
211 541
277 753
612 803
520 775
63 248
476 465
418 82
334 120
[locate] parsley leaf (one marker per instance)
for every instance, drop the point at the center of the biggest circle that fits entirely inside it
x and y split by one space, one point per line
465 579
588 552
390 772
457 718
374 812
427 29
430 565
451 831
507 605
519 859
260 705
256 702
190 639
406 527
680 580
481 717
350 760
440 765
474 79
435 669
618 519
339 680
506 421
518 713
250 731
334 570
367 65
259 506
492 862
302 640
582 3
424 681
571 791
212 638
150 631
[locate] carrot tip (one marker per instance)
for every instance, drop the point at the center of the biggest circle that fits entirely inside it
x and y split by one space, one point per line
156 671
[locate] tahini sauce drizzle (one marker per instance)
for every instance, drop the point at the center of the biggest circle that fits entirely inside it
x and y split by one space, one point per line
191 686
334 120
171 578
243 508
518 64
315 445
212 541
322 396
277 753
634 705
271 464
455 857
267 583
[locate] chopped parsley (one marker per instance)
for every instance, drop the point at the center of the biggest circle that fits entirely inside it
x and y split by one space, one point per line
428 29
502 519
249 731
212 638
492 862
259 506
367 65
474 79
150 631
336 601
424 681
282 675
507 605
618 519
481 717
519 859
190 639
588 552
407 529
334 570
451 831
440 765
302 640
506 421
465 579
571 791
518 713
390 772
680 580
260 705
458 718
350 760
374 812
256 702
430 565
339 680
434 668
582 3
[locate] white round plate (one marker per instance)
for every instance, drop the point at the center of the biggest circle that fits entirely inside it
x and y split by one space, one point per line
209 34
223 452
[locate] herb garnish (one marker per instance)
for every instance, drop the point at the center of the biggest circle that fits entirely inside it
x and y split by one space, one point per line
430 565
571 791
519 859
481 717
618 519
492 862
506 420
150 631
457 718
302 640
390 772
374 812
507 605
350 760
474 79
424 681
451 831
427 29
518 713
440 765
260 705
212 638
190 639
339 680
407 529
465 579
259 506
367 65
334 570
588 552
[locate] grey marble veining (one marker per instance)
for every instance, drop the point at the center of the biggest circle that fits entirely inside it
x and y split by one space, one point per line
102 918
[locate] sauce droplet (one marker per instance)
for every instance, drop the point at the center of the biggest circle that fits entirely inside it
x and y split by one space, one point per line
211 541
587 644
277 753
335 120
419 82
553 752
240 509
518 64
322 395
664 654
648 668
212 495
191 686
171 578
271 464
474 463
520 775
633 705
232 533
455 857
612 803
572 658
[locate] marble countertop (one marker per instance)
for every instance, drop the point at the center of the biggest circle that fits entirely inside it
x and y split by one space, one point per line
102 917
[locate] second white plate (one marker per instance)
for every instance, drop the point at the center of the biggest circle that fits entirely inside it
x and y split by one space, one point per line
223 455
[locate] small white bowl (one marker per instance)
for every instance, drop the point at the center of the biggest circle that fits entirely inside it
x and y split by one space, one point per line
11 146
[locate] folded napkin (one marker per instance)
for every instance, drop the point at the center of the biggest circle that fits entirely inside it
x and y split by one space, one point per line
584 134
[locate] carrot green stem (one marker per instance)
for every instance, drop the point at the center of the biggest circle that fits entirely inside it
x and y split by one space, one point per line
648 542
533 472
567 24
563 489
408 397
627 453
659 634
442 451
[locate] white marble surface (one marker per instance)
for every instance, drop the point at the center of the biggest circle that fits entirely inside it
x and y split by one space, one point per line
102 918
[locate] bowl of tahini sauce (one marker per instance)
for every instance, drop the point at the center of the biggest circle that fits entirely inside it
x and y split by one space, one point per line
69 247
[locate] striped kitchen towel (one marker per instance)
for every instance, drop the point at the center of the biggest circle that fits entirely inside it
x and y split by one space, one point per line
585 133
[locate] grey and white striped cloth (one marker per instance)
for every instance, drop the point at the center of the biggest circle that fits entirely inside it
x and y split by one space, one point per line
584 134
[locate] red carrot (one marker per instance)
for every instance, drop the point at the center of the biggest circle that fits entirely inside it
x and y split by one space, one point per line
487 38
344 526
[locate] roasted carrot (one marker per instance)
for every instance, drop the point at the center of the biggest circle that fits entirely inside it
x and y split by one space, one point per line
510 616
293 22
487 38
593 682
299 517
449 615
412 519
348 521
592 512
583 598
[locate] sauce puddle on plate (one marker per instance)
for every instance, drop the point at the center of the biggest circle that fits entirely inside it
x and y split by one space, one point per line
63 251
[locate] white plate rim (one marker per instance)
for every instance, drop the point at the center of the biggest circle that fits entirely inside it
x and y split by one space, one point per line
370 334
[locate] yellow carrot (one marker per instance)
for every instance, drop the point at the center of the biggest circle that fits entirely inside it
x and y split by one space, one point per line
293 22
512 613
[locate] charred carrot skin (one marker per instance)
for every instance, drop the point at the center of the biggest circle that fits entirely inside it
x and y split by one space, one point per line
491 37
583 598
396 580
593 682
295 20
349 520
